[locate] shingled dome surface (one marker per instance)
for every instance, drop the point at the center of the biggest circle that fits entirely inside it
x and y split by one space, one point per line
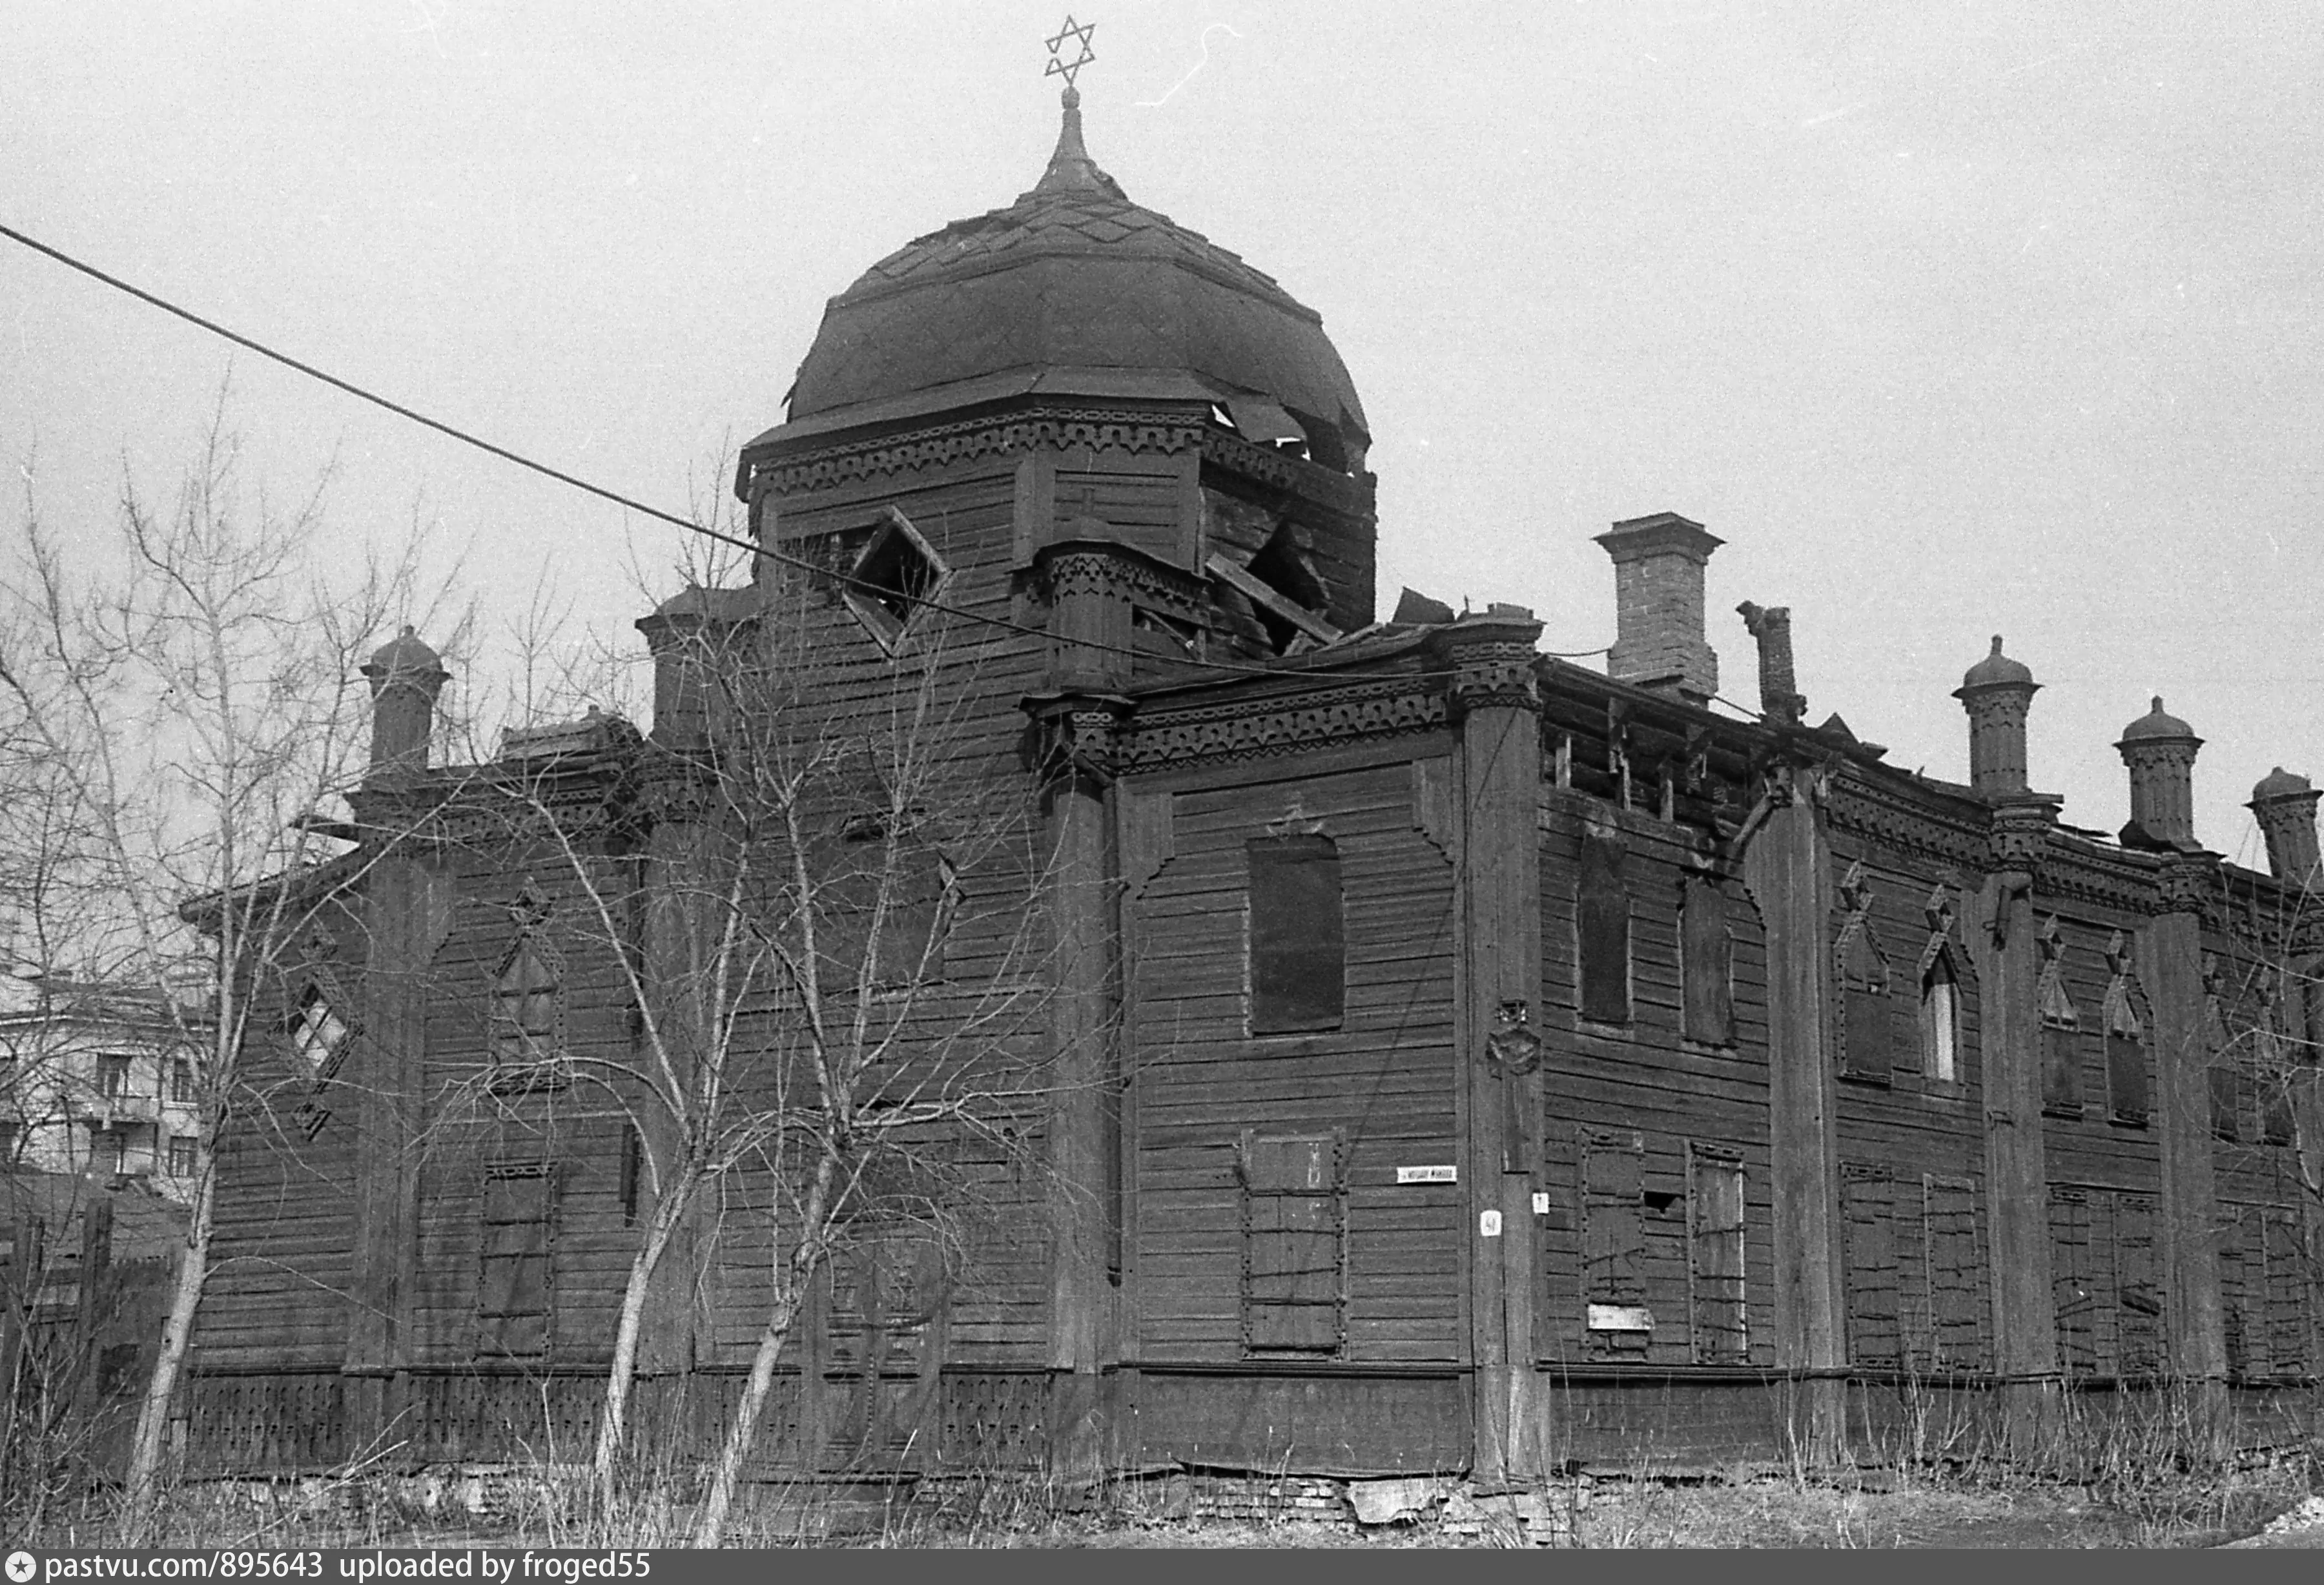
1072 278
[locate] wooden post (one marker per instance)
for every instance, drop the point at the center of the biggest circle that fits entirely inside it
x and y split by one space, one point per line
2172 959
2016 1163
1788 869
1498 767
95 1294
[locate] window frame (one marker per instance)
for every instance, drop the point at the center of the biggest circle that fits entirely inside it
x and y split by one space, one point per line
1272 1004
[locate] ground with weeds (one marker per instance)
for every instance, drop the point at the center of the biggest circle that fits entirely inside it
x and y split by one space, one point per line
1736 1510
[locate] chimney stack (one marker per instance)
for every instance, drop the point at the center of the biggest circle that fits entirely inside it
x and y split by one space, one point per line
405 676
2160 751
1997 692
692 636
2285 808
1781 703
1658 641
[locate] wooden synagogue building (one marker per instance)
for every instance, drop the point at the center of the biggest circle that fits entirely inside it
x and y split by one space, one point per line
1448 1057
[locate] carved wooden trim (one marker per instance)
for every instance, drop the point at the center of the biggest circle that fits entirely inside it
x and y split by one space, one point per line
1248 729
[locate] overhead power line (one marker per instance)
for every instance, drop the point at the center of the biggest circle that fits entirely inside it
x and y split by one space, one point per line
627 504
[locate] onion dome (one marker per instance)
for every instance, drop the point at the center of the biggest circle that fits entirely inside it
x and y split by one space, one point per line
2156 725
1998 669
2279 783
406 654
1071 290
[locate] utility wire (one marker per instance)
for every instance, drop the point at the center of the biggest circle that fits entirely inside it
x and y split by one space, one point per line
752 546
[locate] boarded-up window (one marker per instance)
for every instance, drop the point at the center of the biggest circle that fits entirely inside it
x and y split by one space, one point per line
2226 1097
1874 1288
1602 928
1956 1276
1939 1021
2126 1049
2290 1281
1298 941
1707 962
2138 1288
1867 1035
2074 1282
513 1285
1714 1226
1614 1241
1293 1246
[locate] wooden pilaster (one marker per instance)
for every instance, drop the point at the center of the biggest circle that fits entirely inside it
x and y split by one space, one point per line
2172 962
1081 899
2016 1163
1787 868
406 915
1498 767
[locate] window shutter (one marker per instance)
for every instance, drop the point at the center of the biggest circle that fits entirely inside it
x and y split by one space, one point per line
1613 1234
2138 1288
514 1278
1602 925
1715 1234
2072 1283
1956 1276
2289 1280
1872 1278
1707 956
1298 945
1293 1276
2062 1068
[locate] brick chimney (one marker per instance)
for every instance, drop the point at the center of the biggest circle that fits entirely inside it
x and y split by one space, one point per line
1996 692
1781 703
405 676
2285 807
1659 640
2160 750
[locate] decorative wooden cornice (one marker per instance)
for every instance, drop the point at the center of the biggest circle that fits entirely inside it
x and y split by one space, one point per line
1245 728
1134 429
1888 816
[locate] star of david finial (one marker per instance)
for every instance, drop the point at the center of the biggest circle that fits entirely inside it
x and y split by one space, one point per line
1058 65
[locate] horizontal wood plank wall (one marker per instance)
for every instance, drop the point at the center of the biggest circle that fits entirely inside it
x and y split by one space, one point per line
1646 1078
281 1260
1383 1078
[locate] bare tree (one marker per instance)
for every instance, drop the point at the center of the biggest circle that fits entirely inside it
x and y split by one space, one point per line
189 688
830 836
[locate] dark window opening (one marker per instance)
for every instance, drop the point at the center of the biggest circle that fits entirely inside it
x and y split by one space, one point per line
634 1152
1298 938
1707 955
1602 928
181 1080
1867 1035
113 1077
513 1288
181 1158
1294 1219
894 578
2276 1125
2126 1054
1152 634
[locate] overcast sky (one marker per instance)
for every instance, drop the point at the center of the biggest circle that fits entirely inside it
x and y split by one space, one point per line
1951 318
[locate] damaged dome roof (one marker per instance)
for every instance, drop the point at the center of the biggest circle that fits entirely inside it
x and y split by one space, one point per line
1073 287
